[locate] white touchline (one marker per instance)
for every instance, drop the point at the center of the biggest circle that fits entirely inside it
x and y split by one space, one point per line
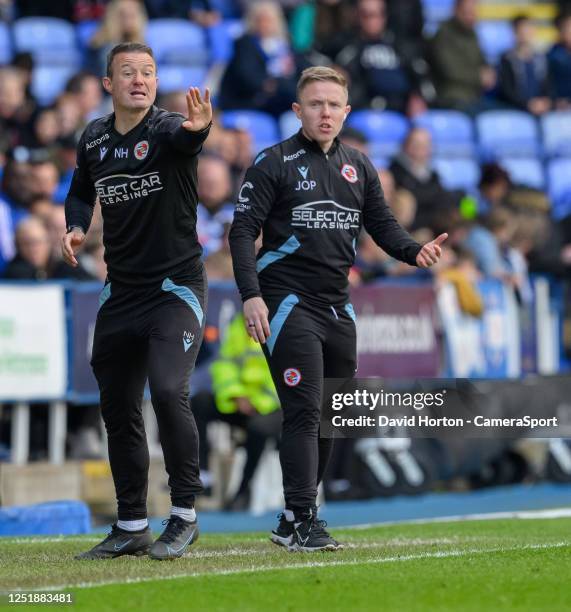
553 513
294 566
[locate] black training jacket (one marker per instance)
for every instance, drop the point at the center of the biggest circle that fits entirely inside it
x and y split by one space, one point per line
311 207
146 183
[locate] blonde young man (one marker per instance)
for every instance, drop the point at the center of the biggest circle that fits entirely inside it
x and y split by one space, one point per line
310 194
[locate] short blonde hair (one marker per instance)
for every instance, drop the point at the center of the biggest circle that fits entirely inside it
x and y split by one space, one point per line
320 73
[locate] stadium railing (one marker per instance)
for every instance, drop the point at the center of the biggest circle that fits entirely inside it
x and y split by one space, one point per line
406 329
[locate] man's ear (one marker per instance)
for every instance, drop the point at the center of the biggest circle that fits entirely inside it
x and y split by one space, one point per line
296 109
107 84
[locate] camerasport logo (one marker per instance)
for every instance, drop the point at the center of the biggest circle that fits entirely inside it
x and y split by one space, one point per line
349 173
121 188
141 149
292 377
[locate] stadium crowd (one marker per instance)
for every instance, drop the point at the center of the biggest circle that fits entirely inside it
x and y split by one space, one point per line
503 217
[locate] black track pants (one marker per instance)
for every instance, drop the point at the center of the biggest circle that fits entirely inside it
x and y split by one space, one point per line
155 333
307 344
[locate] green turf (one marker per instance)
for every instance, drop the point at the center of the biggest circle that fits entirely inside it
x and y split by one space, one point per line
476 565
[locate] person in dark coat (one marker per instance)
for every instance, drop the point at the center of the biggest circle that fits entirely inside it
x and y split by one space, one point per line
523 75
412 170
263 71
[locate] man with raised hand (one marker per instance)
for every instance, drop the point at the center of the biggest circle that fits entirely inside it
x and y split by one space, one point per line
141 163
310 194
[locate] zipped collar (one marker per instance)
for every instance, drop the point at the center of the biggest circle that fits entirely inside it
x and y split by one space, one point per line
143 123
313 146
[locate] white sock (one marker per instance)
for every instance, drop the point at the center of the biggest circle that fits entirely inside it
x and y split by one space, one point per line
289 515
188 514
133 525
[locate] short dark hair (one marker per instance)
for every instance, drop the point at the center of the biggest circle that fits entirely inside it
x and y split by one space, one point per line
130 47
491 173
518 20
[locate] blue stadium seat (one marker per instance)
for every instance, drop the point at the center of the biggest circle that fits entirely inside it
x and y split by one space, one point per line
436 11
527 172
508 134
458 173
177 78
51 41
380 162
495 37
556 129
452 132
559 180
385 130
177 42
221 38
5 44
49 81
262 127
227 8
85 31
289 124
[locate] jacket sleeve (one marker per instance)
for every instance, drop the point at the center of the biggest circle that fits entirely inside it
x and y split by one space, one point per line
255 200
508 85
80 199
381 224
169 129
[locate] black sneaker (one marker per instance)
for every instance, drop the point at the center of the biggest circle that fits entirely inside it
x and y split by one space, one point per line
311 536
282 535
175 539
120 542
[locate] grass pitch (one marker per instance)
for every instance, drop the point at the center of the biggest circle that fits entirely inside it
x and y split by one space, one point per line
471 565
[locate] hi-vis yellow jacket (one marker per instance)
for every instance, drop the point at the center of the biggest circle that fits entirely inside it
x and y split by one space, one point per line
241 371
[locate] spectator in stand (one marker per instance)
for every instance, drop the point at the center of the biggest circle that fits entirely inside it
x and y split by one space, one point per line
69 115
17 188
65 155
9 220
46 128
88 266
42 208
459 69
33 252
380 74
240 156
371 262
124 21
559 60
459 268
215 208
218 264
412 170
262 74
406 22
45 178
355 138
494 186
550 250
15 199
523 76
15 110
86 88
333 20
487 240
175 102
243 395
